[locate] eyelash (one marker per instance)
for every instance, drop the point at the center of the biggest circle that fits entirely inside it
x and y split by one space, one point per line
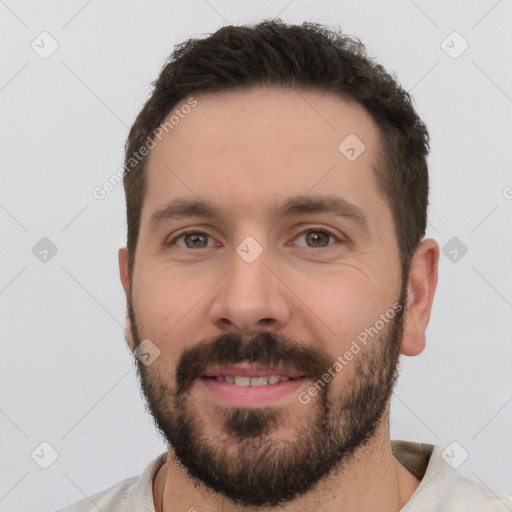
196 232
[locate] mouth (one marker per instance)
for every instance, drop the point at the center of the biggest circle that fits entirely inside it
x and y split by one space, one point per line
251 375
251 385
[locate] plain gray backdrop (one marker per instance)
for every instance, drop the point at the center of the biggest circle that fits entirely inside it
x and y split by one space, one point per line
67 378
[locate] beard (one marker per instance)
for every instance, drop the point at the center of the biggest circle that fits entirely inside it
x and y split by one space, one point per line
245 461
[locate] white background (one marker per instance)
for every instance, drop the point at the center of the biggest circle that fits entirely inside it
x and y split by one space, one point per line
66 373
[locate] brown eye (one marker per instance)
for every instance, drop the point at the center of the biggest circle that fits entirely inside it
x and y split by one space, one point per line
317 238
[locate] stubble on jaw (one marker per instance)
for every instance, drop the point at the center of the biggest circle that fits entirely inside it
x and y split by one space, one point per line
244 461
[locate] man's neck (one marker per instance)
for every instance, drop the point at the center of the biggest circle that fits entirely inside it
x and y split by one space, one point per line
372 480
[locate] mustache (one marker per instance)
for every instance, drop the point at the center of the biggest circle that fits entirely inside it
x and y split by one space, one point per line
266 349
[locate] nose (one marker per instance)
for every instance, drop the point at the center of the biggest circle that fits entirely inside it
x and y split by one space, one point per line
250 297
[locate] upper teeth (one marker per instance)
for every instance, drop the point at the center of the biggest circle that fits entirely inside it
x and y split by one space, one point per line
244 380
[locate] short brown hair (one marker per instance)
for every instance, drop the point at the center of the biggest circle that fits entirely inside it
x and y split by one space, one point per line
308 56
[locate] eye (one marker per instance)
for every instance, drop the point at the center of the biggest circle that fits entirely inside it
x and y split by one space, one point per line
192 240
314 238
317 237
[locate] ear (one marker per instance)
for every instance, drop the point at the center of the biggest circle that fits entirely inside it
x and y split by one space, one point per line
420 295
123 270
125 280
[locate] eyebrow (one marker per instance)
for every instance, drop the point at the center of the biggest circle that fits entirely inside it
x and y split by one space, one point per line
181 208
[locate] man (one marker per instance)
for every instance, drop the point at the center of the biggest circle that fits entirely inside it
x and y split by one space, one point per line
277 189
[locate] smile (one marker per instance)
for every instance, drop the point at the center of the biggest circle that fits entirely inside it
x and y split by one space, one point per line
245 380
251 385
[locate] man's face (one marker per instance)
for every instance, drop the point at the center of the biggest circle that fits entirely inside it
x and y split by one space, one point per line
251 294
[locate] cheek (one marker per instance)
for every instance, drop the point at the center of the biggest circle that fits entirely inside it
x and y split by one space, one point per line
167 294
166 303
345 301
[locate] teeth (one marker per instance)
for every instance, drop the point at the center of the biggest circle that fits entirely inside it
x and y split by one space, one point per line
244 380
259 381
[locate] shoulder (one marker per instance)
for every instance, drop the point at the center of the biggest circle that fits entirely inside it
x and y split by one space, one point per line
134 493
455 493
113 499
477 497
442 489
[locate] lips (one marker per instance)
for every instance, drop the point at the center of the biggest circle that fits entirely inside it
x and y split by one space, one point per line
246 380
246 386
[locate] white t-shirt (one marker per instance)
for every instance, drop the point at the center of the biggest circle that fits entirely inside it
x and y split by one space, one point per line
441 489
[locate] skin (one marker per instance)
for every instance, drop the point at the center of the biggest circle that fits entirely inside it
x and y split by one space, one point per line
246 152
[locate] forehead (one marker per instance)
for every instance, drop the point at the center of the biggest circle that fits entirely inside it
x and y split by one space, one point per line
247 151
